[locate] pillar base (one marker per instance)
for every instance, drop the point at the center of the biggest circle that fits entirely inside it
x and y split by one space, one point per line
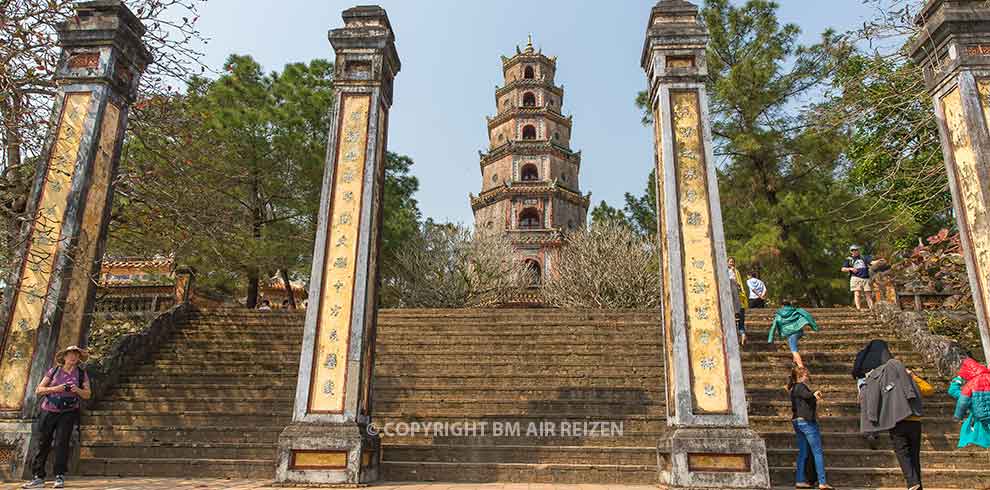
327 454
713 458
15 449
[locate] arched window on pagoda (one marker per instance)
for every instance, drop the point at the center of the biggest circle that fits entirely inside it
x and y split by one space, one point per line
529 132
529 100
529 73
529 219
530 172
534 273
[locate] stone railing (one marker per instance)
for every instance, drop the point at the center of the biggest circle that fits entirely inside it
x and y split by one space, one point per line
131 349
128 350
907 314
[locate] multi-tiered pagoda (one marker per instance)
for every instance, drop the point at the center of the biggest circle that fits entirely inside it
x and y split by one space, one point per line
530 174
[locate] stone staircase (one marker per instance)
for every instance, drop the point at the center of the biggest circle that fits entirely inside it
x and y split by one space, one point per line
212 401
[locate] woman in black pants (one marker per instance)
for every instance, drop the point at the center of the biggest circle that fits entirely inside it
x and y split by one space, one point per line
62 390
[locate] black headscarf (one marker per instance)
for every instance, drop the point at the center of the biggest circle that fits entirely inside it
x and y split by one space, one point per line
874 355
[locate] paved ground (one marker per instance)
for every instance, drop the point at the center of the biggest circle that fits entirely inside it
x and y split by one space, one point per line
208 484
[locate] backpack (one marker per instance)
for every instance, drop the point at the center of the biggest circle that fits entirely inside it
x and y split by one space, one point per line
981 406
65 403
978 389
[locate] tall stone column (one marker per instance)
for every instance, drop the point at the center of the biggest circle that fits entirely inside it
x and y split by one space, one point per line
328 440
953 47
49 301
709 444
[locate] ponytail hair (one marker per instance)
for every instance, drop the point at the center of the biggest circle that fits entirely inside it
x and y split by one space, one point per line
797 373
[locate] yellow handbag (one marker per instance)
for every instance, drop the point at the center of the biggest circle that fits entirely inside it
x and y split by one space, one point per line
924 387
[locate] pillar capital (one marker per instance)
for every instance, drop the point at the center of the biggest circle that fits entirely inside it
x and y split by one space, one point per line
102 43
676 44
953 35
365 49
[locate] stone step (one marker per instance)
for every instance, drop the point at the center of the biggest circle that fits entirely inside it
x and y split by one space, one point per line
481 408
548 380
933 426
599 359
384 366
178 467
178 450
191 420
872 477
532 454
152 378
399 471
782 437
92 431
618 425
219 405
883 458
552 390
174 391
188 355
849 408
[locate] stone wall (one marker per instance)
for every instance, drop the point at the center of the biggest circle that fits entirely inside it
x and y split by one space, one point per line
945 353
129 351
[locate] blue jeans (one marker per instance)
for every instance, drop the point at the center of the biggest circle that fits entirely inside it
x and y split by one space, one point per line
809 439
792 340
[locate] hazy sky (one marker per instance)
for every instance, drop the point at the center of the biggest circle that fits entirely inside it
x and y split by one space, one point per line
450 66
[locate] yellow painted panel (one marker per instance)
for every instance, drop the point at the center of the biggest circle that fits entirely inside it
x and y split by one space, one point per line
339 267
974 211
719 463
709 376
665 260
319 459
39 260
92 223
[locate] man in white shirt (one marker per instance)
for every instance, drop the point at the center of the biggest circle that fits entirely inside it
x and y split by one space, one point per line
757 291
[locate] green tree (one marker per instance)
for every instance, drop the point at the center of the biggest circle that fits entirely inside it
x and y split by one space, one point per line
227 176
787 209
604 213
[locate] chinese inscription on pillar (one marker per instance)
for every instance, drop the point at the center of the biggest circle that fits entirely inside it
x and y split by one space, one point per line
339 269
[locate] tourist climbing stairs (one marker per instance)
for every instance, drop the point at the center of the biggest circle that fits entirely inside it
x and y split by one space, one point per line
213 399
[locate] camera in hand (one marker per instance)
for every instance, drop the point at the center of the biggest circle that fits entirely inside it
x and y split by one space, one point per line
68 386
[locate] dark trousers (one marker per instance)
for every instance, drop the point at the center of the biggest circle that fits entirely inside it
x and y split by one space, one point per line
906 439
57 428
757 303
741 321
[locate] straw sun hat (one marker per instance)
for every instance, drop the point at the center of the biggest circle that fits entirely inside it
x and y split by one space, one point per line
60 356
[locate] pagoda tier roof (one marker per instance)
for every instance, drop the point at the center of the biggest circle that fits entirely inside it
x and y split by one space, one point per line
149 263
542 189
539 236
529 147
529 83
543 111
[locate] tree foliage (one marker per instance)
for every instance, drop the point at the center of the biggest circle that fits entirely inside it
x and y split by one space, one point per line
788 210
449 266
607 265
28 58
227 176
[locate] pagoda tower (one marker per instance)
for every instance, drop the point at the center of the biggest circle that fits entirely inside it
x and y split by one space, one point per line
530 188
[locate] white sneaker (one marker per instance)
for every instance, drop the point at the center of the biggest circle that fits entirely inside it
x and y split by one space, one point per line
35 483
59 481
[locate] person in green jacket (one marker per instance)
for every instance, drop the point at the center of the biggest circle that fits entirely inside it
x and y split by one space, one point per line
789 322
973 432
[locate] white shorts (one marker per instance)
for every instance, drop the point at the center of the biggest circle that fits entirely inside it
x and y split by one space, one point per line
859 284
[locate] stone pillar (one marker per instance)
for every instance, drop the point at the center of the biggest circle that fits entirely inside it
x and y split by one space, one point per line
328 440
953 48
709 444
49 302
185 280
